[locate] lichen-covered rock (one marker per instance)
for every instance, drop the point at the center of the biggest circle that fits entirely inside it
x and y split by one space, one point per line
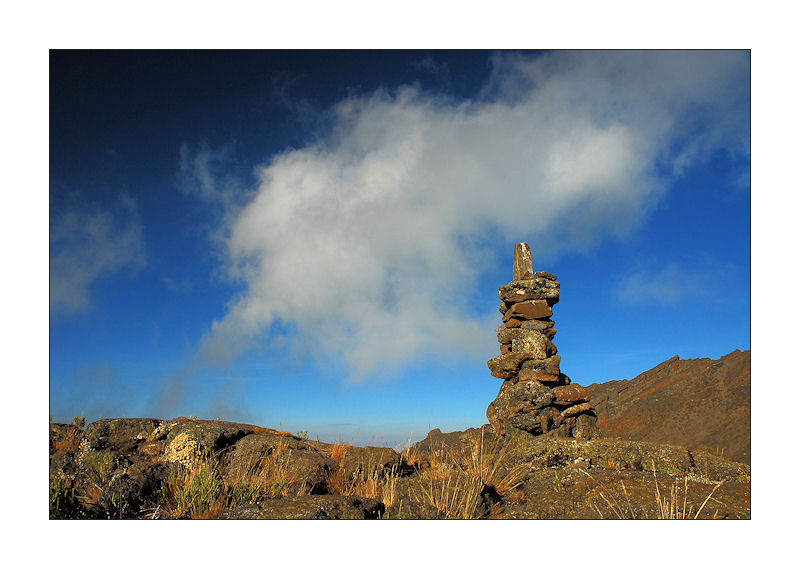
494 420
585 427
549 365
533 343
507 335
540 325
537 288
519 405
190 439
121 435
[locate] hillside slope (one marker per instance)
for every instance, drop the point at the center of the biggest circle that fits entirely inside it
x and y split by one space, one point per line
696 403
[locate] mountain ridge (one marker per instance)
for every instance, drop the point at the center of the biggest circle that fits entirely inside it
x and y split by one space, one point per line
697 403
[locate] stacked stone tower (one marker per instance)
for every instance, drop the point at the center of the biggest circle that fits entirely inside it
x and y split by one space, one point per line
535 396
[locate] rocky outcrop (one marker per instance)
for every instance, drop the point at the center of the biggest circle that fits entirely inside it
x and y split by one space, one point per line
267 474
535 396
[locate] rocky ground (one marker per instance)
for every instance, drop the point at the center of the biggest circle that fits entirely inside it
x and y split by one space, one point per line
189 468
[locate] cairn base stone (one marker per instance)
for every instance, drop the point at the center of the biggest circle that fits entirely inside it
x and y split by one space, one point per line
586 427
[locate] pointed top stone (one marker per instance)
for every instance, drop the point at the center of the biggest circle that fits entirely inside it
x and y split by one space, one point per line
523 262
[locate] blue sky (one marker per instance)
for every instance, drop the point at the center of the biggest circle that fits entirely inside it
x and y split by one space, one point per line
314 240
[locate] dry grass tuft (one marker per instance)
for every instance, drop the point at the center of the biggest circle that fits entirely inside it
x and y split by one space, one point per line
490 464
269 475
197 492
412 456
454 493
372 481
338 450
457 479
669 506
70 441
212 483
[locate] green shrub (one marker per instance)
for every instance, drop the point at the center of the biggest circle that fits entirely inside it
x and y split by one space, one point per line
63 504
196 492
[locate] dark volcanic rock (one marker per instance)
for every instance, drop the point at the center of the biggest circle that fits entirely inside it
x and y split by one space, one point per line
369 461
294 455
478 473
437 441
137 488
698 403
521 405
412 510
63 465
120 435
309 508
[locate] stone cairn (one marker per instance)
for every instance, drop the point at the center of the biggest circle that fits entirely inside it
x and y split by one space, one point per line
535 396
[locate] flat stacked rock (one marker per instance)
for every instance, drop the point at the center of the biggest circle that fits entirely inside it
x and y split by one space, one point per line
535 396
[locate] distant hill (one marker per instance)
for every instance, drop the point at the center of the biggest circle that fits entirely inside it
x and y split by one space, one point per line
698 403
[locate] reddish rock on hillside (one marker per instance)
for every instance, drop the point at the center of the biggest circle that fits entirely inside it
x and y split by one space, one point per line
698 403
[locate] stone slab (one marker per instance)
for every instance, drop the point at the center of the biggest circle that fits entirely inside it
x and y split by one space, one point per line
528 310
523 262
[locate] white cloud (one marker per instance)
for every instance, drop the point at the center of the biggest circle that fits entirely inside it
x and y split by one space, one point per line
202 174
86 245
370 241
667 286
